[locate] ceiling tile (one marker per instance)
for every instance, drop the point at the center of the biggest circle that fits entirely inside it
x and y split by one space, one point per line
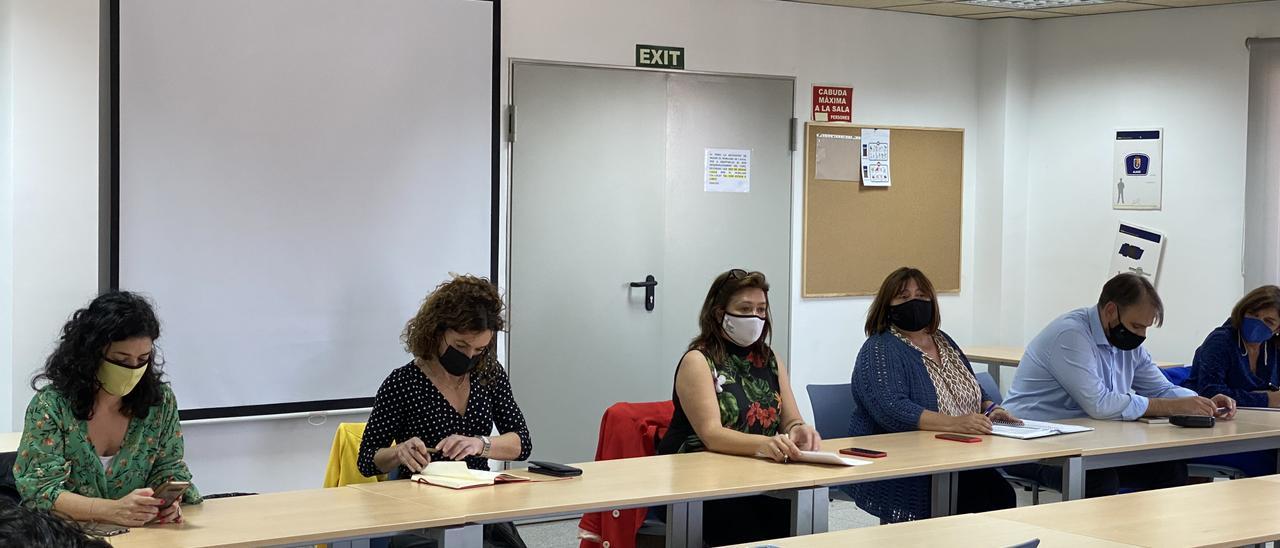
1190 3
1111 7
867 3
1016 14
954 10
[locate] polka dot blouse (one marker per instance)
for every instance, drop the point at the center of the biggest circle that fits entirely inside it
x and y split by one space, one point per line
409 405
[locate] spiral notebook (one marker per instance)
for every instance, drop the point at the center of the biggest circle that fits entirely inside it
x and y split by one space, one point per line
1035 429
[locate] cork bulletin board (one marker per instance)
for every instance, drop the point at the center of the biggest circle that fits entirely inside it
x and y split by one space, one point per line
855 235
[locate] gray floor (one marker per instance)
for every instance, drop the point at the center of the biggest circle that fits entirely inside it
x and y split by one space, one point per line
842 515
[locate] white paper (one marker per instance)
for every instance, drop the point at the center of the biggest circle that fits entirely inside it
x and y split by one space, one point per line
727 170
875 157
820 457
1137 249
1137 177
836 158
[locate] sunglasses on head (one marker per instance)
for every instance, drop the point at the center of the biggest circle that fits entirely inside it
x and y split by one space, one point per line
735 274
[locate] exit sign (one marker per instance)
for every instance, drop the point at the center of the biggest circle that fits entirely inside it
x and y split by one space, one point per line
659 57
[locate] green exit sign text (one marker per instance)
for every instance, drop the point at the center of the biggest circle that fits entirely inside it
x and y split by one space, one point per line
659 57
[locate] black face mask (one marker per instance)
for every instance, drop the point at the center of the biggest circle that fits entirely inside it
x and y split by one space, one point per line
913 315
458 364
1120 337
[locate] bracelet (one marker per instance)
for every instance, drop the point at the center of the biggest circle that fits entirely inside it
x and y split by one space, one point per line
793 425
484 453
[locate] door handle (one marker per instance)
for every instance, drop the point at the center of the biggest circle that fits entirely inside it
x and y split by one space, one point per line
648 284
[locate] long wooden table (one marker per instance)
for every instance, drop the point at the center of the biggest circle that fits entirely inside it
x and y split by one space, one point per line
294 517
680 482
1216 514
922 453
1224 513
967 531
1259 417
1122 443
1008 356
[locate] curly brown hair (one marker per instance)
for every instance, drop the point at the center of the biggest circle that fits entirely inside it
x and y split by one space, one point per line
466 304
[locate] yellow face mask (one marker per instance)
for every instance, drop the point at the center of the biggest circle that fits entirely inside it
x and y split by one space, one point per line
119 379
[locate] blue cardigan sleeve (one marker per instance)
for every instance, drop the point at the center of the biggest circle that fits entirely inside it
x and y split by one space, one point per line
882 387
1209 370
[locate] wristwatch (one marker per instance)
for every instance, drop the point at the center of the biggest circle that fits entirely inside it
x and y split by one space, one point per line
487 446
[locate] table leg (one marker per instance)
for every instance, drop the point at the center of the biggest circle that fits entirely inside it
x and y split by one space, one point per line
993 369
944 494
464 536
684 525
1073 478
809 510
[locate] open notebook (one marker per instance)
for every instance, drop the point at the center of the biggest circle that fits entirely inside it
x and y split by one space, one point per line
1035 429
456 475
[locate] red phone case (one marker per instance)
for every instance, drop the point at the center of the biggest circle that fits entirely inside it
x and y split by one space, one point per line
855 452
958 437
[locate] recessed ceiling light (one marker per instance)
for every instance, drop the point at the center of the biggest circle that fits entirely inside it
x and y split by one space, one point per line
1030 4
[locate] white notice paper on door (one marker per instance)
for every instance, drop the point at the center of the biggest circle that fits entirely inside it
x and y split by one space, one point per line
875 157
727 170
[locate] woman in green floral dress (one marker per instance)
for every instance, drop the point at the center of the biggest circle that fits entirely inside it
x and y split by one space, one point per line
732 395
103 430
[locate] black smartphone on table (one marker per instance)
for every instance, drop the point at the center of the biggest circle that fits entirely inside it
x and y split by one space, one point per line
553 469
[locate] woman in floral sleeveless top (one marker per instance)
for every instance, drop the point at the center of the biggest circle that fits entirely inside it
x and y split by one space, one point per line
732 396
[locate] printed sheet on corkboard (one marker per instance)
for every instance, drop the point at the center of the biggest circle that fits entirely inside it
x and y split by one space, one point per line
855 235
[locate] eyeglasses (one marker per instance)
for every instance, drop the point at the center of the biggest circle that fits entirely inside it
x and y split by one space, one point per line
735 274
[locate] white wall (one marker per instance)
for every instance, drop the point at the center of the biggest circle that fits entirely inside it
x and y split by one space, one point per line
927 80
6 210
261 456
54 70
1185 70
1000 247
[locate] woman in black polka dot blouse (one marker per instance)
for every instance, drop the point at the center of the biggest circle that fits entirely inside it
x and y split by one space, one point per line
452 394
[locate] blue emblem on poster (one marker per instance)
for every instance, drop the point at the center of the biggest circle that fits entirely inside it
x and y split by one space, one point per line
1137 164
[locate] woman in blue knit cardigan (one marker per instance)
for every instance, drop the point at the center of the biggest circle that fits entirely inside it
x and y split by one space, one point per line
1241 359
912 376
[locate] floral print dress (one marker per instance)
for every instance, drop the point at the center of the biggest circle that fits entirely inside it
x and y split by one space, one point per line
749 397
55 454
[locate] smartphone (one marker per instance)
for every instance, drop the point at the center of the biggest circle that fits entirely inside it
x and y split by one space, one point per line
860 452
170 492
103 529
1192 421
554 469
959 437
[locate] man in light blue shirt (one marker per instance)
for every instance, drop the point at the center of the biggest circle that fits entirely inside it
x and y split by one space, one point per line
1089 362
